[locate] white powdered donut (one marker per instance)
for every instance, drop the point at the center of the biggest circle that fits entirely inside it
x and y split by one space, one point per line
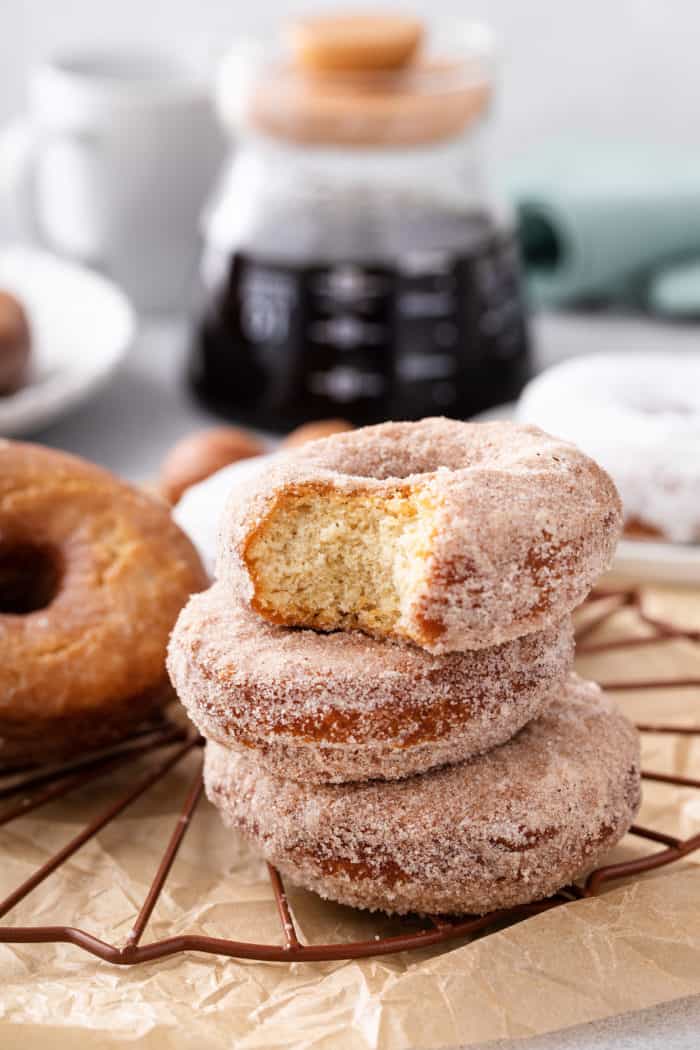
638 415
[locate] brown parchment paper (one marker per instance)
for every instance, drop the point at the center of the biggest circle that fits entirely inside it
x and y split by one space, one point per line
637 945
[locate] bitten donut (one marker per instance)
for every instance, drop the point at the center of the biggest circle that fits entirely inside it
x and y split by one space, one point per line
451 535
92 576
342 706
639 415
510 826
15 344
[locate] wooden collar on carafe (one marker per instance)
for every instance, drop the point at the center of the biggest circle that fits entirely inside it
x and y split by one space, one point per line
365 80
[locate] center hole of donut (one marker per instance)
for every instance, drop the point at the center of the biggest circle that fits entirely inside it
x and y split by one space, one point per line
29 578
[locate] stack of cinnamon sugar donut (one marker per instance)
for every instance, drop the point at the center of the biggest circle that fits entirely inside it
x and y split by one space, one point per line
382 669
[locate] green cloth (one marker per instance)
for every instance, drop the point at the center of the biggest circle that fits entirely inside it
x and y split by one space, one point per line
605 221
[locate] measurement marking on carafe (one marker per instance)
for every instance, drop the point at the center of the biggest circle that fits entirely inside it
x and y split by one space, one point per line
346 384
319 334
425 264
266 303
348 284
347 333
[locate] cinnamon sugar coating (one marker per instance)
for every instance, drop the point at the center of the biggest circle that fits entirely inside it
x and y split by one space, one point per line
505 828
474 533
93 574
342 706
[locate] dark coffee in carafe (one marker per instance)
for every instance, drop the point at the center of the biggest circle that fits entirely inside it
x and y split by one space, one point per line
369 280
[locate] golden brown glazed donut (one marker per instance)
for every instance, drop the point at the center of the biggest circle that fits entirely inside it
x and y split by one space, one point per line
15 344
501 829
92 576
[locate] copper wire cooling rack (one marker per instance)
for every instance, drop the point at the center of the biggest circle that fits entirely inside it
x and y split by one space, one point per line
33 789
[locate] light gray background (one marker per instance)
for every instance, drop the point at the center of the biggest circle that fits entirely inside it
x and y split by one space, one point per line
600 68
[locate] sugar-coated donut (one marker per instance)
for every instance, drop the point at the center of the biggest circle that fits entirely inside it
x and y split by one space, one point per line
507 827
638 414
15 344
342 706
452 535
92 576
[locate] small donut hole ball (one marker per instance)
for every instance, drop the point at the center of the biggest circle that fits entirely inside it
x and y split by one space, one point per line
200 454
313 431
15 343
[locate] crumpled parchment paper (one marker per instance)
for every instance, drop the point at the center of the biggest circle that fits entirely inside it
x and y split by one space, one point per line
636 945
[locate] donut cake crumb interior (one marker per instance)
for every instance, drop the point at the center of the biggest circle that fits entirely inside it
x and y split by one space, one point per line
334 558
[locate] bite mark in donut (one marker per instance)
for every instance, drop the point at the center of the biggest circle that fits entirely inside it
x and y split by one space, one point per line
450 535
349 560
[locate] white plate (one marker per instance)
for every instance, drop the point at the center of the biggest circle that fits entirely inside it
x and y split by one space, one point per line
82 326
648 561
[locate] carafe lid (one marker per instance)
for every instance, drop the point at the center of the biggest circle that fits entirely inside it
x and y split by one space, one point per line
361 80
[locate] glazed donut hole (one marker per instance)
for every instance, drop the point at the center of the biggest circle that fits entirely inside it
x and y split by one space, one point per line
30 577
333 558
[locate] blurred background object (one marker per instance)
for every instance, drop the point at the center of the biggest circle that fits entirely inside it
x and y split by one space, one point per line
638 415
111 165
200 454
15 344
357 261
313 431
603 71
81 328
608 221
590 134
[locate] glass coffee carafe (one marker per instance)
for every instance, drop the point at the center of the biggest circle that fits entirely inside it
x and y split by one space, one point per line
356 263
